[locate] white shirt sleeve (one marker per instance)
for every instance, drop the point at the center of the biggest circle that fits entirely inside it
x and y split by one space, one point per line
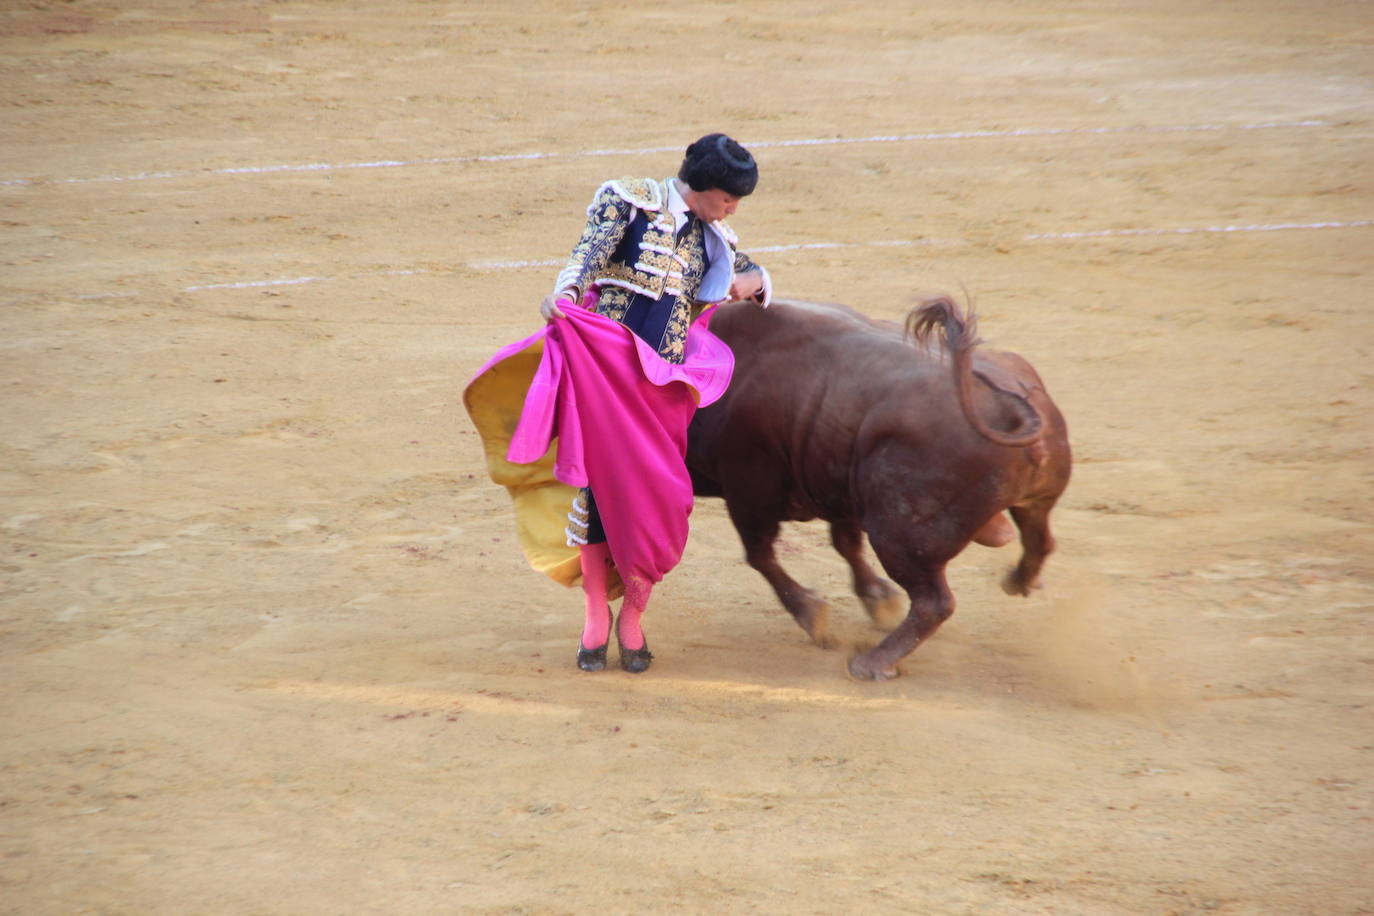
720 270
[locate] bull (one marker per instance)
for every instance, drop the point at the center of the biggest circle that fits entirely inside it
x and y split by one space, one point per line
881 430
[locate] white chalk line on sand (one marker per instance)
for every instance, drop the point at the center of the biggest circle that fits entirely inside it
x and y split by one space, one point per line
297 281
1190 230
821 246
758 144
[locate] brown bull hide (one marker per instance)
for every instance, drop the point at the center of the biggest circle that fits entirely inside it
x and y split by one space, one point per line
835 416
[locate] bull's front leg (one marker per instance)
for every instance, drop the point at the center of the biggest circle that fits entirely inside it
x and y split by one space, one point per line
931 604
881 599
810 610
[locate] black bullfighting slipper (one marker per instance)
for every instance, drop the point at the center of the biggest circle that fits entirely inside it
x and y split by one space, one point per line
592 659
595 659
635 661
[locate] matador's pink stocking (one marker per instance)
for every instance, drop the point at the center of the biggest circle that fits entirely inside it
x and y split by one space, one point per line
637 592
596 562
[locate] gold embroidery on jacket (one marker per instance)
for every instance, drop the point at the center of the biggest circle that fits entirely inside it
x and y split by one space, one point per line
690 250
615 302
664 265
607 219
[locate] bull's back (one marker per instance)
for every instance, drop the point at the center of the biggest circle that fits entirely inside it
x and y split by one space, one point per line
815 385
808 379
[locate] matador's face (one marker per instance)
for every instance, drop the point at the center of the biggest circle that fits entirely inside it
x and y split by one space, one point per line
712 204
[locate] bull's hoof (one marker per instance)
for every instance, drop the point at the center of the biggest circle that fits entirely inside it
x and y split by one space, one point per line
825 641
812 613
862 668
884 603
1014 585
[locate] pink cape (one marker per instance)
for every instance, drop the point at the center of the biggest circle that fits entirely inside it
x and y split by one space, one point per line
618 413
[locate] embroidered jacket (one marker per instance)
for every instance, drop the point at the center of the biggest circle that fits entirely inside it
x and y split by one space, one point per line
630 241
641 243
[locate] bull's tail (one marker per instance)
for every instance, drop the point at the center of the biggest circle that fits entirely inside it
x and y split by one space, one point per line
959 340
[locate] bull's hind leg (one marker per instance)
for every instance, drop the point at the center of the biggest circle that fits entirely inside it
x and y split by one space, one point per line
810 610
913 549
1036 544
931 604
882 600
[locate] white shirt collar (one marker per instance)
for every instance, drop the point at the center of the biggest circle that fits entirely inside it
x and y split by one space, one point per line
676 205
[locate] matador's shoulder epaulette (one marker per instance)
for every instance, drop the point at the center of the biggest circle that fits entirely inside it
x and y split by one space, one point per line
642 193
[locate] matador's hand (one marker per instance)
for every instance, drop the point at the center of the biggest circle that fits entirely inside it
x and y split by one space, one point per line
553 305
747 285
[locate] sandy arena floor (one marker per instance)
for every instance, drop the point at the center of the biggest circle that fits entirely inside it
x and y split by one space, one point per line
269 646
